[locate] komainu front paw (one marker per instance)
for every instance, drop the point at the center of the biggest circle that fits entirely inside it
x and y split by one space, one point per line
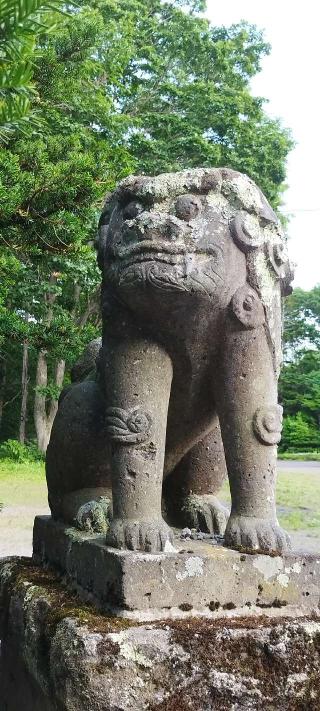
205 513
149 536
256 535
93 517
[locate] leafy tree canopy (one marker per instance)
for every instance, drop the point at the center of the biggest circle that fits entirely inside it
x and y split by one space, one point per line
128 86
119 87
300 434
21 22
302 321
300 376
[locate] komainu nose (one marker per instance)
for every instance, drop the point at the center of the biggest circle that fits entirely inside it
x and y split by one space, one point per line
155 226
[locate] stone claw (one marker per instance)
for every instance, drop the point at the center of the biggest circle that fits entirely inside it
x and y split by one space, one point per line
256 535
93 517
205 513
148 536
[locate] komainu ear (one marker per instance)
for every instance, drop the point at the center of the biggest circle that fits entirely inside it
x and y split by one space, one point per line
287 278
247 232
104 220
278 260
277 257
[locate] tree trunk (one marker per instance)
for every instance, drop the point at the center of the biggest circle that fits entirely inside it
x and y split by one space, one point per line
44 413
53 407
43 417
24 392
3 378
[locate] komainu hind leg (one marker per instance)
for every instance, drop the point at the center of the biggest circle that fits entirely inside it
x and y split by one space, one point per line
190 491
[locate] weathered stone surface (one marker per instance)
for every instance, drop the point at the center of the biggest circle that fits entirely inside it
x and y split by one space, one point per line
197 576
193 267
59 655
86 364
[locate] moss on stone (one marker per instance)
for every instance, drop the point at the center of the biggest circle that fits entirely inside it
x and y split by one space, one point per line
62 602
266 662
217 644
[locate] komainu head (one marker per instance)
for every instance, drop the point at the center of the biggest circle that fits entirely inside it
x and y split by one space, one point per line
169 230
187 233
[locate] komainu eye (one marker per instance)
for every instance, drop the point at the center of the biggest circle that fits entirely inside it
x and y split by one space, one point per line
131 210
188 207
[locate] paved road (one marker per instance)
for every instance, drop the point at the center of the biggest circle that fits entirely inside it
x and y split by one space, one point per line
290 465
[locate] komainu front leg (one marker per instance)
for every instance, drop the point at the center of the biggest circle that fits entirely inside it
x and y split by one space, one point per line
190 491
250 421
138 377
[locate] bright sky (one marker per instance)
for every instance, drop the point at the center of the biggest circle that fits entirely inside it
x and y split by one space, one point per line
290 81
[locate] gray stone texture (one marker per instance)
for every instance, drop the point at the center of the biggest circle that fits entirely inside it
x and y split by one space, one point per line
197 576
194 265
59 655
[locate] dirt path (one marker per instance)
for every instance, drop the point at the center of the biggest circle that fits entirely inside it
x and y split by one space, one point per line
16 523
302 541
17 515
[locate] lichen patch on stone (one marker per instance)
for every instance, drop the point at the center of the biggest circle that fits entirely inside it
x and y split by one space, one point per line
283 580
268 566
193 568
146 645
295 568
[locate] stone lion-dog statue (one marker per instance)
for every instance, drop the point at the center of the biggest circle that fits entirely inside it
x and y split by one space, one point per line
194 266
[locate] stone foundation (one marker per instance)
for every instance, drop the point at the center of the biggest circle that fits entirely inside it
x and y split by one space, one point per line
60 655
196 576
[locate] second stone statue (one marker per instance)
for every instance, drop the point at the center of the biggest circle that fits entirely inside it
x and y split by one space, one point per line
194 266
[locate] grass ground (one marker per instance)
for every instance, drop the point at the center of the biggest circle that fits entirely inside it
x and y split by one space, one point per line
300 456
23 494
22 484
298 500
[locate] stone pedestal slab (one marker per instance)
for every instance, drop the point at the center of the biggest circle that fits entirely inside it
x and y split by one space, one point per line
60 654
197 577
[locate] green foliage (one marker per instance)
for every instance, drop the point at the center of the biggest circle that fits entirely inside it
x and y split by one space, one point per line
302 321
183 99
119 87
21 22
300 433
298 498
20 453
299 384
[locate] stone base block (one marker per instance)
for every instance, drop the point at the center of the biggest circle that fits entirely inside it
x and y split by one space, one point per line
57 653
195 578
